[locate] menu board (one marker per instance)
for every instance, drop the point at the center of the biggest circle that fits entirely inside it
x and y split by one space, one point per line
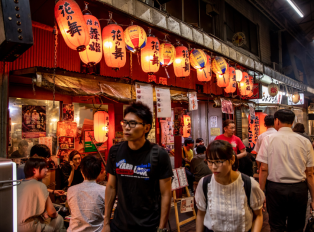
179 179
187 204
144 94
163 102
193 105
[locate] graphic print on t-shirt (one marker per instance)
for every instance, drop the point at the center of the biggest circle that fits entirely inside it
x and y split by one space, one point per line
129 170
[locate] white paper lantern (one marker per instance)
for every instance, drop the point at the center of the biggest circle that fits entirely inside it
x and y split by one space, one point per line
238 75
273 89
295 97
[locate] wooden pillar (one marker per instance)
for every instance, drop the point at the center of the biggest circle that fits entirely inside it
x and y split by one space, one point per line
4 93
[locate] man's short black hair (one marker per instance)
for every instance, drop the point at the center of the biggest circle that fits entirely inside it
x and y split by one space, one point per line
91 167
285 116
38 162
188 141
198 140
200 149
40 150
142 111
269 120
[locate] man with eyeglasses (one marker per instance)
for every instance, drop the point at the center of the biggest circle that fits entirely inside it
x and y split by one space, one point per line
140 174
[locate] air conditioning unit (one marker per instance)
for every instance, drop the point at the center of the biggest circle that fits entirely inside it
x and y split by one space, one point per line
211 10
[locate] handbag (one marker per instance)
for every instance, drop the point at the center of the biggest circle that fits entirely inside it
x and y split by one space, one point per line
310 223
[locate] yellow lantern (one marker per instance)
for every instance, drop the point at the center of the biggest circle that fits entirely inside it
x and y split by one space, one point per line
223 80
101 126
114 46
135 38
205 75
238 75
296 97
72 24
198 59
181 64
150 56
92 55
232 87
219 65
167 53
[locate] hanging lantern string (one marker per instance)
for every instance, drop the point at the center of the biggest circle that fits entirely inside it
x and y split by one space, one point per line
86 8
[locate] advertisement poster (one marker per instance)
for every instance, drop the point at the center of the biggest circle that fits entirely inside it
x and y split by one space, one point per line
47 141
33 121
187 204
88 144
213 121
193 105
68 112
178 121
144 94
163 102
226 106
215 131
66 129
66 142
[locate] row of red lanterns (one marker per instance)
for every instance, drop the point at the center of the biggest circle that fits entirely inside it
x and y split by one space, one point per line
82 32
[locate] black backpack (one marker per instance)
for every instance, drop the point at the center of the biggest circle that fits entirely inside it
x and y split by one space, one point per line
154 157
247 187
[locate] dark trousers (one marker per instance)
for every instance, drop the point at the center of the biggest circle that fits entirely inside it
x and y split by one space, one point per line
190 178
286 203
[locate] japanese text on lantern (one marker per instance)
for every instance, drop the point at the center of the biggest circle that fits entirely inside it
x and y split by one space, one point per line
116 36
185 55
73 27
155 46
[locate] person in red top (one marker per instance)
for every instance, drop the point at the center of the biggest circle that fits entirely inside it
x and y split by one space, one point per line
228 135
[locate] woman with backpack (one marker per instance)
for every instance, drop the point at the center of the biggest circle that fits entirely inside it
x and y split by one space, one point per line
227 200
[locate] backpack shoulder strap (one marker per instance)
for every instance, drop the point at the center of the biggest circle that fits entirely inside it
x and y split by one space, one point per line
206 181
183 152
247 187
154 160
113 154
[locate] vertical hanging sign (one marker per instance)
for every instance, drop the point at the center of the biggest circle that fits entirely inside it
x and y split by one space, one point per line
193 105
163 102
144 94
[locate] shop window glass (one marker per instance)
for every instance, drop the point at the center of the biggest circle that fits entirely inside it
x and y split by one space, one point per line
15 132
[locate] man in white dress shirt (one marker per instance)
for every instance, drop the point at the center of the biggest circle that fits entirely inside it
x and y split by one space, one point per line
287 161
269 124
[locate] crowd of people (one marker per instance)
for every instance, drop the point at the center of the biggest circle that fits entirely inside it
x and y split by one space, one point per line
139 173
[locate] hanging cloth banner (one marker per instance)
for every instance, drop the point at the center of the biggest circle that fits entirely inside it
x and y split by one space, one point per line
163 102
193 105
226 106
252 110
144 94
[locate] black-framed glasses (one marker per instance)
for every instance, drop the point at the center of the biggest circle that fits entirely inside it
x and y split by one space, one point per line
217 163
132 124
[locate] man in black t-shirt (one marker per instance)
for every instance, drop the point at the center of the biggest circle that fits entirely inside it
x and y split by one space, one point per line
144 197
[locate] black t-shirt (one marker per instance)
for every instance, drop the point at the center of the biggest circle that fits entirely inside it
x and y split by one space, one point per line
66 170
138 194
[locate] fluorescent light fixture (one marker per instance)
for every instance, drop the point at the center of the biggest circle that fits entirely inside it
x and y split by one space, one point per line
296 8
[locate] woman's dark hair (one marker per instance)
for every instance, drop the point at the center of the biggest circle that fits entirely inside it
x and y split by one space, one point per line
221 150
73 153
40 150
142 111
227 122
32 163
198 140
91 167
188 141
269 120
299 127
200 149
285 116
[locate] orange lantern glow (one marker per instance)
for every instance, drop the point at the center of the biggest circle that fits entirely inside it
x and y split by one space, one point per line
114 46
92 55
150 56
167 53
223 80
181 64
198 58
135 38
205 74
244 85
232 87
186 126
72 24
101 126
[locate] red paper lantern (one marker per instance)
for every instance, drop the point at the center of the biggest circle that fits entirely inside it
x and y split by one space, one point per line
205 74
244 85
114 46
223 80
101 126
92 55
232 87
181 64
72 24
150 56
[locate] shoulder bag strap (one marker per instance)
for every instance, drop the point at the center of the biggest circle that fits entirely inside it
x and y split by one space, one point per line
206 181
247 187
154 160
113 154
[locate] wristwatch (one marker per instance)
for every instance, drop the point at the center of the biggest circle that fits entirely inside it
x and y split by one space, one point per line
162 230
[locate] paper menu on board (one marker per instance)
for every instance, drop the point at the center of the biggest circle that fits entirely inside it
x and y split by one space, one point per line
144 94
213 121
179 179
163 102
193 105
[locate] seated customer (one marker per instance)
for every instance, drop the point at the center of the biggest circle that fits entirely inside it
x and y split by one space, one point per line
198 166
87 200
35 211
71 170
